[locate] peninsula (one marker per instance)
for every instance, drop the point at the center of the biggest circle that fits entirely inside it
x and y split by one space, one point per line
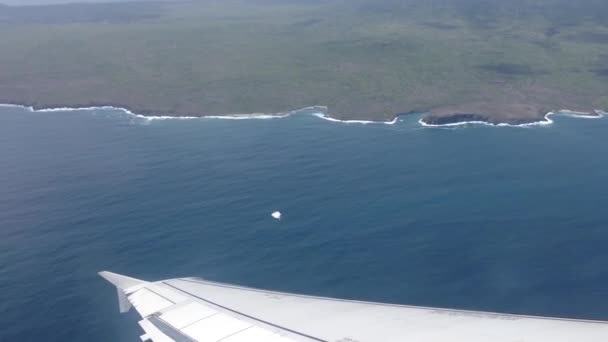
461 60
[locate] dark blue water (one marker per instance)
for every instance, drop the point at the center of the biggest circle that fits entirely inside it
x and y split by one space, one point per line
501 219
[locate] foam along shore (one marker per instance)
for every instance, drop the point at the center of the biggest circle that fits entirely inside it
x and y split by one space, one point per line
476 119
364 122
152 117
321 112
317 111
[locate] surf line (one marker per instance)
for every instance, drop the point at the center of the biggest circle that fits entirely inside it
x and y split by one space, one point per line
321 113
544 122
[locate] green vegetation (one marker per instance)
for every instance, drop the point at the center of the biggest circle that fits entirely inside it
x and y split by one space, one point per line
509 60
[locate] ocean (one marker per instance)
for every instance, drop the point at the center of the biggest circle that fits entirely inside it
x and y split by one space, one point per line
506 219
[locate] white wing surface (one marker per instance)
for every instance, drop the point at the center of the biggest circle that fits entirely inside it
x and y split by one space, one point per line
191 309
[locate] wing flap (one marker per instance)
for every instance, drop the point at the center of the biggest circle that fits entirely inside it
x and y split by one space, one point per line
153 333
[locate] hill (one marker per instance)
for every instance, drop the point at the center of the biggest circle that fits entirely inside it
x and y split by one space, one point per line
501 61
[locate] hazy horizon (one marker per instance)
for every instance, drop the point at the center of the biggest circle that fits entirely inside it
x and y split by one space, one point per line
59 2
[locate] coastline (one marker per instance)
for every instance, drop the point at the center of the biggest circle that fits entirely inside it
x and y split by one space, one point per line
429 119
475 119
316 111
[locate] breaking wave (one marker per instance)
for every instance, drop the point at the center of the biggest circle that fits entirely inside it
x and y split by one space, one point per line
66 109
544 122
363 122
317 111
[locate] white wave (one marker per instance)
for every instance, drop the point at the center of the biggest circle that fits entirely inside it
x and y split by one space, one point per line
266 116
163 117
145 117
454 124
582 115
9 105
75 109
363 122
67 109
254 116
320 113
546 120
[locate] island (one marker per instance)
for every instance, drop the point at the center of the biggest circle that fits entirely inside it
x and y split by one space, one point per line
500 62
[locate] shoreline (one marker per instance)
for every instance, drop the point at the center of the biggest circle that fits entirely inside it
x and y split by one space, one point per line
444 121
316 111
456 119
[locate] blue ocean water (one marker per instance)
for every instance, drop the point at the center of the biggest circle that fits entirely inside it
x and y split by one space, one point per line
485 218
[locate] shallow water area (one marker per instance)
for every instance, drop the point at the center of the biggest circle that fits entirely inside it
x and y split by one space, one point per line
470 217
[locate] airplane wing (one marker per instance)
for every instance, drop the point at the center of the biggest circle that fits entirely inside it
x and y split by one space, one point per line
192 309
